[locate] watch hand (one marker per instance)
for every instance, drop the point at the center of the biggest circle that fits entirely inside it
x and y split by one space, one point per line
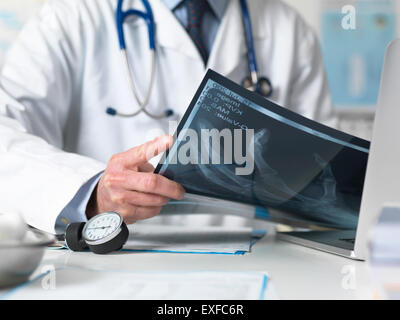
98 228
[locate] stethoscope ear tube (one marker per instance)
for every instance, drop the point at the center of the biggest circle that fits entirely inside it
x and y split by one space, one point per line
119 19
249 38
253 82
261 85
148 17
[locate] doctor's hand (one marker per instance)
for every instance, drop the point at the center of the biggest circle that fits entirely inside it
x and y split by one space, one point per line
129 186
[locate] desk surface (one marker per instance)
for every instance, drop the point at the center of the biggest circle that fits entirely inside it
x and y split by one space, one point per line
296 272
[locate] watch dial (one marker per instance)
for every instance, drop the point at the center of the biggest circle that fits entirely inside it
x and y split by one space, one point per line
101 226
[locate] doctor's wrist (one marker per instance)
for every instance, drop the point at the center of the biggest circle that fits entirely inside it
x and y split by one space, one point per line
92 208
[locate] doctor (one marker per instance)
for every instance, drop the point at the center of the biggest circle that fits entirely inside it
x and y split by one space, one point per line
64 159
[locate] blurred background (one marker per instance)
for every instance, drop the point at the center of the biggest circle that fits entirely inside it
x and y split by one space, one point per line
353 52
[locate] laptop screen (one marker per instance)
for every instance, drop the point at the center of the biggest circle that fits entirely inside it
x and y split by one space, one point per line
233 144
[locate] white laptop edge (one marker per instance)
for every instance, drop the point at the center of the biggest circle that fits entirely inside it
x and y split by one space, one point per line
383 170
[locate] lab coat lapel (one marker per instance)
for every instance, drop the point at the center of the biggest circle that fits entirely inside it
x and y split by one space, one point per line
229 47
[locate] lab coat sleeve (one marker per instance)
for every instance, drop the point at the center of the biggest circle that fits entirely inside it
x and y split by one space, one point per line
309 93
75 211
37 178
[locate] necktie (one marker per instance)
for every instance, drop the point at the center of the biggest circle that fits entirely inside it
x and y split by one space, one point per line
195 12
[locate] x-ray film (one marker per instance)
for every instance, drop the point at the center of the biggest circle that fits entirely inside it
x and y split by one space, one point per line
233 144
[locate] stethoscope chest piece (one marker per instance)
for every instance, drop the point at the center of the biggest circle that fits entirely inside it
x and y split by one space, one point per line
263 86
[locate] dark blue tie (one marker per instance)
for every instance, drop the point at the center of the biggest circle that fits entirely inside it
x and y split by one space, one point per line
195 11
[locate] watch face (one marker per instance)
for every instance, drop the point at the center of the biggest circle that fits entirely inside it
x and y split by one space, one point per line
101 227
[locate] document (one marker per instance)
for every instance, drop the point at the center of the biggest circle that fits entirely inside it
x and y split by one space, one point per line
235 145
81 284
178 239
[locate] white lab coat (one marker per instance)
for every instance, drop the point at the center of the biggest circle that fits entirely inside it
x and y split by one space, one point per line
65 70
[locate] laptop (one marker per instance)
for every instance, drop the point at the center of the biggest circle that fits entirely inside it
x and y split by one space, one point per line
382 175
306 175
383 171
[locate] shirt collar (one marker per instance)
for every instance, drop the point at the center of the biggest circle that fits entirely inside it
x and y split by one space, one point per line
218 6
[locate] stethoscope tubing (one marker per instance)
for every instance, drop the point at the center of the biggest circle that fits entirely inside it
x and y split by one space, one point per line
261 85
149 19
146 16
142 104
249 38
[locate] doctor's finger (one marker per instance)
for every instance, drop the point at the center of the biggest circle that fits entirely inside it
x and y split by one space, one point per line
153 184
143 199
146 167
143 153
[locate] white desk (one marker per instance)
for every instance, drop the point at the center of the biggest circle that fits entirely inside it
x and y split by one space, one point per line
296 272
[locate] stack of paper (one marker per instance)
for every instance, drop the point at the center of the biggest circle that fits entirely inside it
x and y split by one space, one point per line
217 240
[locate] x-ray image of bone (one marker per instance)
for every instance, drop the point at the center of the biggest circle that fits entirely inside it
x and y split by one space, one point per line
318 202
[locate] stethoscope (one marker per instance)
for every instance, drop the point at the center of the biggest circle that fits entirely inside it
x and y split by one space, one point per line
253 82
